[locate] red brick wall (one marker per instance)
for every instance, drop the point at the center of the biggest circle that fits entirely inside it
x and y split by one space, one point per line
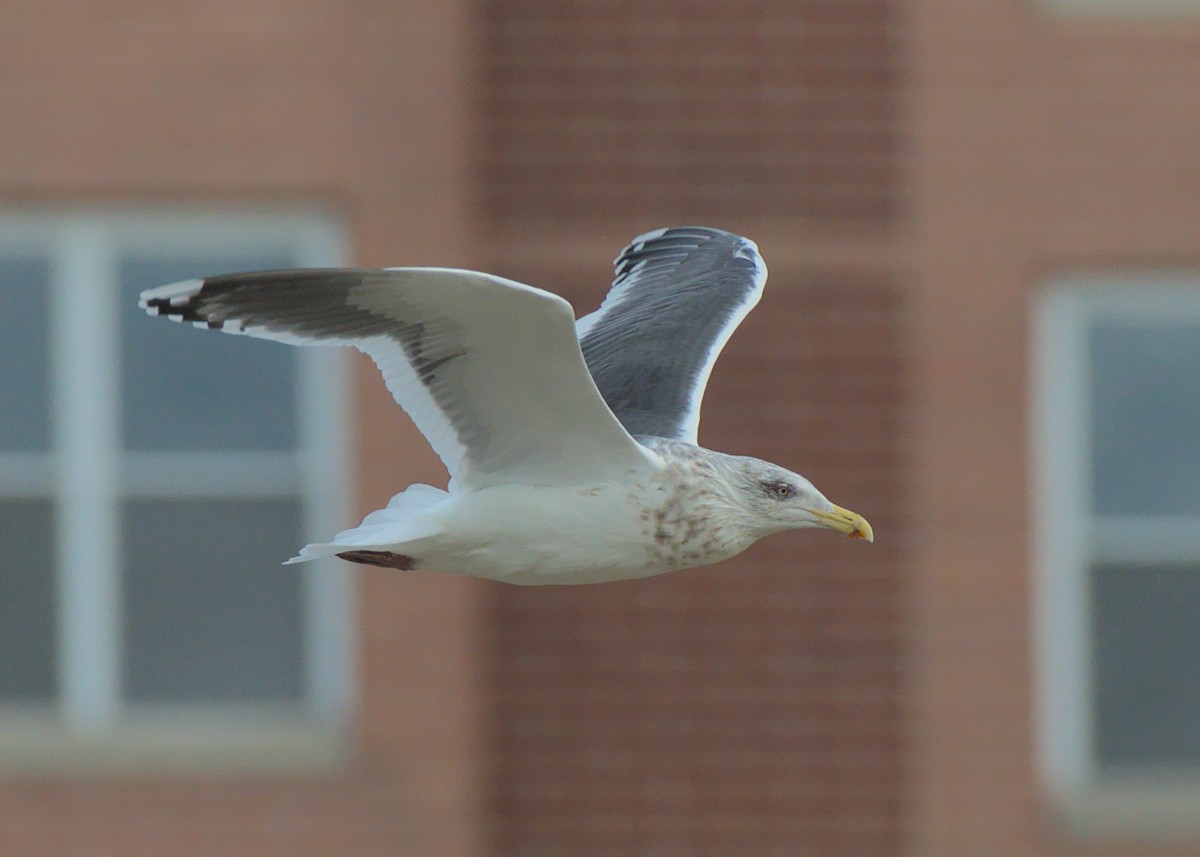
752 707
782 109
1043 142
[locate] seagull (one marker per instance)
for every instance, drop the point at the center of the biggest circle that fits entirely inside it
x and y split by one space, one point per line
571 444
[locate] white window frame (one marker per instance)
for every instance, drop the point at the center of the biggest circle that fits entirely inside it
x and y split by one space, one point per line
1069 538
1125 8
86 473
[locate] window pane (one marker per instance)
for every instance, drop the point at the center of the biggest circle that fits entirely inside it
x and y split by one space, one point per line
1145 412
1146 632
28 668
210 614
24 353
186 389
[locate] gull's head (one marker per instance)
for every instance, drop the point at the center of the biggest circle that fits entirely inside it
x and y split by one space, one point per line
776 499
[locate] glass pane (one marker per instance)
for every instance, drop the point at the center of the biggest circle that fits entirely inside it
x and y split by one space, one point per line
210 614
1145 413
28 630
1146 633
24 353
188 389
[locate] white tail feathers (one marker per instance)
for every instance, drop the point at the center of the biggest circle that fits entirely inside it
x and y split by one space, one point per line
404 520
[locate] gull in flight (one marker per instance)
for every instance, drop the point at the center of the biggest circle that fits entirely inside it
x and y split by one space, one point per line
571 444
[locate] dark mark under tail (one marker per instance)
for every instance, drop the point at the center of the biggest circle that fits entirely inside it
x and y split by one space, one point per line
383 559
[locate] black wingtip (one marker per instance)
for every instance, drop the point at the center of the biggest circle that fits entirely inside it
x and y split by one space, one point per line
177 302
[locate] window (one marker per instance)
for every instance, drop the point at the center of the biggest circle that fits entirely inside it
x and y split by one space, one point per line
152 480
1117 476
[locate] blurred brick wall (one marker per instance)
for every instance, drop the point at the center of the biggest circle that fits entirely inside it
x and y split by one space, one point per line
751 707
1047 138
726 109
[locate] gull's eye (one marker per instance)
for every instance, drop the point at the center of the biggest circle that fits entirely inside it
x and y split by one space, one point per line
780 490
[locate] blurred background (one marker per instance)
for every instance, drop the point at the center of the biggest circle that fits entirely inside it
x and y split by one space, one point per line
982 331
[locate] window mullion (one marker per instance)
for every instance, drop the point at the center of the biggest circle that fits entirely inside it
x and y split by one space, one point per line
327 596
1146 539
86 423
1061 605
24 474
324 462
214 474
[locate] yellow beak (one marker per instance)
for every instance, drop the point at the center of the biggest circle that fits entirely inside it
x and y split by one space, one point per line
844 521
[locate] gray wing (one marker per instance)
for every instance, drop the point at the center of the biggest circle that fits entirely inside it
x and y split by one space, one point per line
678 295
490 370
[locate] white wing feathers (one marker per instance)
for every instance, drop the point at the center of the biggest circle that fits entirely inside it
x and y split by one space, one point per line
490 370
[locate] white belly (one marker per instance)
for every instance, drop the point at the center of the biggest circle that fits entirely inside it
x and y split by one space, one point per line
531 535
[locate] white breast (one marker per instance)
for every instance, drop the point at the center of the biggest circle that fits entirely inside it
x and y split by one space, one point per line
530 535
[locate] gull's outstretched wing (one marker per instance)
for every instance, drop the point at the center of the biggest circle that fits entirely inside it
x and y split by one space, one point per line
678 295
489 369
